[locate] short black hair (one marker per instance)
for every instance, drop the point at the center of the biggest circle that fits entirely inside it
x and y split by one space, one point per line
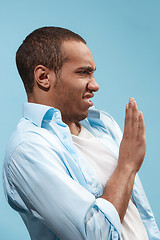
42 46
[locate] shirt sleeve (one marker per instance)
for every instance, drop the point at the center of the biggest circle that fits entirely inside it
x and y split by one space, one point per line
41 185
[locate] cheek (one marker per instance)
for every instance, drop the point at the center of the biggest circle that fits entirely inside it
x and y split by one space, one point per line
75 93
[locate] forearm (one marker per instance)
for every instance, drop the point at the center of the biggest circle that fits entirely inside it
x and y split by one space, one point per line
118 189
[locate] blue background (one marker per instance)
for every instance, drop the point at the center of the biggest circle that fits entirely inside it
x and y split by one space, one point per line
124 37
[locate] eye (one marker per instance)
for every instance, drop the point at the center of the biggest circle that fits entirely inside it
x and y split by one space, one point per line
85 72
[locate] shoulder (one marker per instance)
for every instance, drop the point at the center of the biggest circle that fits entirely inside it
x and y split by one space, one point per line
26 137
31 147
107 121
111 125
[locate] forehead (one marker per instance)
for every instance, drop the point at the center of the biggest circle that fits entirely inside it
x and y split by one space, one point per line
78 53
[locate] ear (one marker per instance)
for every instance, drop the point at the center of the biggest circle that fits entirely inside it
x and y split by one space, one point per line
43 77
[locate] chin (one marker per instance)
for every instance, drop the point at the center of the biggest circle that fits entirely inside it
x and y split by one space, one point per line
83 116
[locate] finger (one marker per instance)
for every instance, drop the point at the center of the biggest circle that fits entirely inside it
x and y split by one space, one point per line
141 125
128 118
135 120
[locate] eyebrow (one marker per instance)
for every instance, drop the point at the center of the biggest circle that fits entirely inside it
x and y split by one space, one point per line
87 68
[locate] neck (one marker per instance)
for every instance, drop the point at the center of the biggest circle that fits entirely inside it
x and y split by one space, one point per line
75 128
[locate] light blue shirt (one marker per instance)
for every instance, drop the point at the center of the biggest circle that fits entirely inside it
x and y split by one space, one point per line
56 192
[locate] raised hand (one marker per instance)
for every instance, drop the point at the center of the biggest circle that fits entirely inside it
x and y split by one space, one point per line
133 145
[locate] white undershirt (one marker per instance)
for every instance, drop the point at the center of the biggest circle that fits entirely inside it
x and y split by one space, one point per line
104 163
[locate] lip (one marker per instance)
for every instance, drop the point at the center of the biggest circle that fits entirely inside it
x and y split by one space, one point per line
87 97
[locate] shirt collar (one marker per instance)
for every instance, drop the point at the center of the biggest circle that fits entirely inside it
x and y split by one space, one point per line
93 113
37 112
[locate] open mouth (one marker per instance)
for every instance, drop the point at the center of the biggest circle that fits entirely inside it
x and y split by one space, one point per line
87 97
87 100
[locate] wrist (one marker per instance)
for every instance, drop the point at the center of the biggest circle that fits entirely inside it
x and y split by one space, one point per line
126 170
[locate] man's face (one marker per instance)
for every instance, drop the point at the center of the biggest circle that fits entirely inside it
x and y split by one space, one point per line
76 84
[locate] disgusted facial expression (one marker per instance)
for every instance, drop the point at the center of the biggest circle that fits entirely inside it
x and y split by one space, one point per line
76 84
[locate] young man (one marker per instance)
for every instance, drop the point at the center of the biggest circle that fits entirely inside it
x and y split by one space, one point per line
66 170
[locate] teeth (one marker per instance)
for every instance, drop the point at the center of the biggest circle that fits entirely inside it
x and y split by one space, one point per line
88 100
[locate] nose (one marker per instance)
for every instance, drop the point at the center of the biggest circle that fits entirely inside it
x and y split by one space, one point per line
93 85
